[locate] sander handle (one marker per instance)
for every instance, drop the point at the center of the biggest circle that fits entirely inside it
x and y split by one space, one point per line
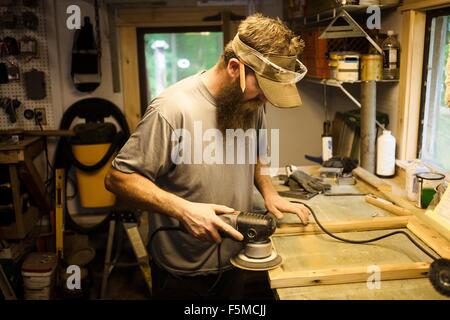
255 227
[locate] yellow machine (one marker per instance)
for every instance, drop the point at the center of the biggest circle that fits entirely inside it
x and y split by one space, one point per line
91 187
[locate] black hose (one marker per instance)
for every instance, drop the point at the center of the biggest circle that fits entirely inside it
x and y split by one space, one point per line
220 269
366 240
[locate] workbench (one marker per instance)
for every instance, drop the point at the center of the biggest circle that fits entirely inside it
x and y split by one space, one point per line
309 254
17 157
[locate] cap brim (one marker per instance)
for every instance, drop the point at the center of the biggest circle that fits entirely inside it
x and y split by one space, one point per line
279 94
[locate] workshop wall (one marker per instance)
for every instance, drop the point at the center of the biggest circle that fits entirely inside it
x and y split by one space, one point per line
301 128
25 62
60 39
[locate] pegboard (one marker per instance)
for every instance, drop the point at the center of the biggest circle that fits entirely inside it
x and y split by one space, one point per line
16 89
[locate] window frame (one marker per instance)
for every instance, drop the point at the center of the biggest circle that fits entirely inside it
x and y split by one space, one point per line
430 15
140 33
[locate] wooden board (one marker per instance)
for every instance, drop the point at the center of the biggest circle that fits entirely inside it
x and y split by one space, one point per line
341 262
406 289
372 179
349 274
344 226
431 237
387 205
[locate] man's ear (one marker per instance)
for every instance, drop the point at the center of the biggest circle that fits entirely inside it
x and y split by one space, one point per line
233 68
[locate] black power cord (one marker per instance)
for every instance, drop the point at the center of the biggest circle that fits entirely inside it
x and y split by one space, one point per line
439 274
366 240
219 262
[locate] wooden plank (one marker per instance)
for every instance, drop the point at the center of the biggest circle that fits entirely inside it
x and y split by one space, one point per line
20 145
402 202
9 157
130 76
50 133
34 185
34 149
372 179
405 289
15 188
413 40
378 223
431 237
348 275
173 16
423 5
386 205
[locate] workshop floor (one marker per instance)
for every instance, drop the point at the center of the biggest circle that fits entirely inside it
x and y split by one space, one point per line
127 283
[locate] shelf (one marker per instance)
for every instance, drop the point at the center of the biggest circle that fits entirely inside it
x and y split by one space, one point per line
330 14
337 83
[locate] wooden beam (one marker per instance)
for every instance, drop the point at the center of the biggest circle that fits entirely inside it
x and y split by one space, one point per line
430 236
34 184
344 226
423 4
130 76
411 61
172 16
388 206
385 189
371 179
279 279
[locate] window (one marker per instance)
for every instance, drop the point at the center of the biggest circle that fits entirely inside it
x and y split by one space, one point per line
434 144
169 55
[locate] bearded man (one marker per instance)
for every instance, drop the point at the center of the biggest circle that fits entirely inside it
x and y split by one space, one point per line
259 64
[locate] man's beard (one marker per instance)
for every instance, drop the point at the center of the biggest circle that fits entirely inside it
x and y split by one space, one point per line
232 113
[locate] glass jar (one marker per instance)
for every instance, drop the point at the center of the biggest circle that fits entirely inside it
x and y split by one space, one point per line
428 182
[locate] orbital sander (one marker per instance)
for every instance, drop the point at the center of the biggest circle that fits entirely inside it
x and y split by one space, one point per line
258 253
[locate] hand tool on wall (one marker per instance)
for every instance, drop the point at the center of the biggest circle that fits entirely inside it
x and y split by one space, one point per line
10 106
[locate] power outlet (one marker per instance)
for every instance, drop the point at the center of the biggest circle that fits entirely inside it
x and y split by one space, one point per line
40 116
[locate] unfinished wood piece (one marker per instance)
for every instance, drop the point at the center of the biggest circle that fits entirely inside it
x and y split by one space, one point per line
431 237
423 5
347 275
372 179
344 226
388 206
410 84
402 202
404 289
130 72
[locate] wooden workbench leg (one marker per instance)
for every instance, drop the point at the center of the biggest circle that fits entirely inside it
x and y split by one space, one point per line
15 187
107 268
140 251
35 185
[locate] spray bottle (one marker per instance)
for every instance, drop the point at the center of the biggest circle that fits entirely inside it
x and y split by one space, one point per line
327 141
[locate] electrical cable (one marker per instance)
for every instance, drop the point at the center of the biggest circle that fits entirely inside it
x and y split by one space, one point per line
220 269
366 240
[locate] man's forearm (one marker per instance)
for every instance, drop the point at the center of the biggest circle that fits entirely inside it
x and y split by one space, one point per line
141 193
263 182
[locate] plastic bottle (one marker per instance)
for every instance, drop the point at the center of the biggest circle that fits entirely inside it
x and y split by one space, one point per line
411 182
391 62
386 155
327 142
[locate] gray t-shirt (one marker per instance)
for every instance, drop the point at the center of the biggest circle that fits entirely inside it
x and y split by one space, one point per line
149 152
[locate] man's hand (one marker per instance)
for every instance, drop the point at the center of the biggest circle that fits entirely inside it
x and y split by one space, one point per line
277 205
202 221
